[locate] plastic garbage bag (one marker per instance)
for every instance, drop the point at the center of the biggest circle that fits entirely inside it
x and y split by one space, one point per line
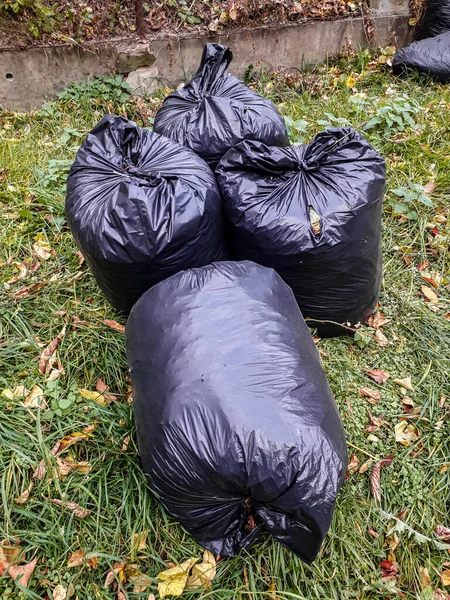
313 213
216 111
141 208
430 57
237 427
436 19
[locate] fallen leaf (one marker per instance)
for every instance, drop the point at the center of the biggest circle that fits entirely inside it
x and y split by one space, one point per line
67 465
22 573
408 402
80 259
381 339
429 188
59 593
424 578
232 10
371 531
440 595
22 272
57 449
373 395
405 383
126 441
41 247
80 513
443 533
120 594
35 398
10 552
114 574
92 562
173 581
140 581
115 325
378 375
365 467
103 389
95 396
430 295
49 350
393 542
76 559
151 597
23 498
377 320
27 290
405 433
375 478
353 464
351 80
202 573
445 577
389 570
140 541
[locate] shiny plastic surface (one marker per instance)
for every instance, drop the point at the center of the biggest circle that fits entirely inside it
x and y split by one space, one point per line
268 196
216 111
430 56
436 19
233 412
141 208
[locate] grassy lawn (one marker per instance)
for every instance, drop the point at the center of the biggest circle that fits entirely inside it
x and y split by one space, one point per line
46 292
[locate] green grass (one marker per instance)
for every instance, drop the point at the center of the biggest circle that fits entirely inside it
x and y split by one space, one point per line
35 150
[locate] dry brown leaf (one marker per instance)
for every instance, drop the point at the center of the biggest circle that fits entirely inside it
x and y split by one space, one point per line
202 573
151 597
92 562
57 449
80 259
115 325
76 559
365 467
405 433
445 577
114 574
49 350
378 375
121 595
126 441
22 272
103 389
35 398
424 578
371 531
232 10
440 595
353 464
22 573
10 552
381 339
23 498
377 320
373 396
59 593
443 533
67 465
406 383
375 485
27 290
430 295
80 513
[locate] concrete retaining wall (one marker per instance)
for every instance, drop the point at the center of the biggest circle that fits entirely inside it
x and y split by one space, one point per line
27 77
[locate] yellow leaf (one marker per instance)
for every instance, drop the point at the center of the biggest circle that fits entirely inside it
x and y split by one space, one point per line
429 294
424 577
22 272
35 398
41 247
76 559
140 541
22 499
405 433
8 393
412 21
405 383
351 80
174 580
445 577
203 573
95 396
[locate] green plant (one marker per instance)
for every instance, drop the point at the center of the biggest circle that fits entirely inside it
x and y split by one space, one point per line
296 129
41 17
100 90
390 115
184 11
407 200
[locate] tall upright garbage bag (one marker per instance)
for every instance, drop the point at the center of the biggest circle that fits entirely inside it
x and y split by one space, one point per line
141 208
216 111
313 213
237 427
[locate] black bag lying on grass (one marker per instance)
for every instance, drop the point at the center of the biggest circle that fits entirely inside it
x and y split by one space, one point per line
313 213
430 57
215 111
436 19
141 208
237 427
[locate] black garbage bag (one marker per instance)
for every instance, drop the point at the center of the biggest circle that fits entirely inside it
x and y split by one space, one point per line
313 213
237 427
436 19
216 111
430 57
141 208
